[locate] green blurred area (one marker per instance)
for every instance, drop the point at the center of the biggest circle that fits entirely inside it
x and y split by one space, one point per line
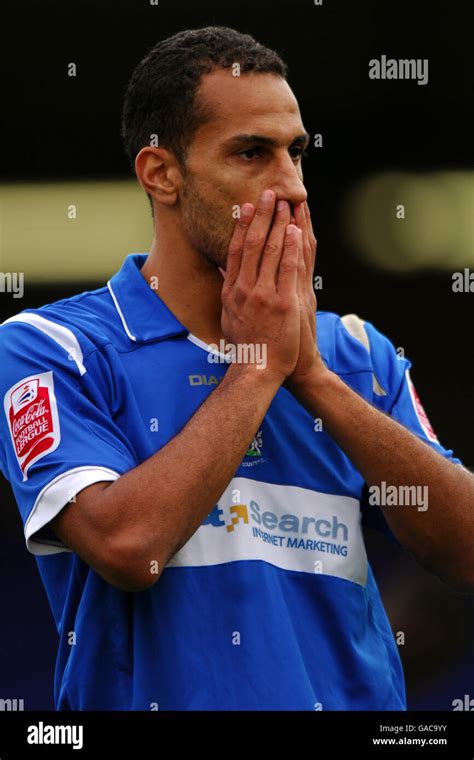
80 231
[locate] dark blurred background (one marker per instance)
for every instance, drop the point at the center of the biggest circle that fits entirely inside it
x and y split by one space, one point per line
384 143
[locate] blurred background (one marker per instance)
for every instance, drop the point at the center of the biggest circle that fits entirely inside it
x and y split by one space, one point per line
383 145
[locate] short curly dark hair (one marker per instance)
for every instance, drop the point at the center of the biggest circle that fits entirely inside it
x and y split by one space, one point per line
160 96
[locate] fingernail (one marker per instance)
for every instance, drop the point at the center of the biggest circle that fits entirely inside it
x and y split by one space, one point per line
281 205
267 196
246 210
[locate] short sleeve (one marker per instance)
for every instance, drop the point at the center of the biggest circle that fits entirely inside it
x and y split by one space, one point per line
393 392
57 433
393 373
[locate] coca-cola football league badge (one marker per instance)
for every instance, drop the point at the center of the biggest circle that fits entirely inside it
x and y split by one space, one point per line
32 414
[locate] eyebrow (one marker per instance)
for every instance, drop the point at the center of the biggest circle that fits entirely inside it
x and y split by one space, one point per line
244 139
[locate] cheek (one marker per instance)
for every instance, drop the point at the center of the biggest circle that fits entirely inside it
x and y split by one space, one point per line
215 193
222 191
222 183
222 201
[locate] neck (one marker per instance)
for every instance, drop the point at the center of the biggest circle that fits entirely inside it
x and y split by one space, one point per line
188 285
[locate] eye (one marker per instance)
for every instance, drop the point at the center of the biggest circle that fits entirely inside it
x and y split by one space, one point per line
249 154
298 152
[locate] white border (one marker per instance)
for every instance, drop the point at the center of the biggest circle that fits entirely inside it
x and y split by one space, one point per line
116 304
60 334
206 347
54 497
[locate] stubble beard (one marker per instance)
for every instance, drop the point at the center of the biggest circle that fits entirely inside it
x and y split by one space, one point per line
205 226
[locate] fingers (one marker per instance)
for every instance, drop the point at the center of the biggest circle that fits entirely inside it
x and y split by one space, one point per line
304 267
258 244
255 239
288 270
236 244
312 237
273 248
303 222
301 278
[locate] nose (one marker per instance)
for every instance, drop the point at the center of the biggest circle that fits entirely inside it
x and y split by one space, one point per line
288 182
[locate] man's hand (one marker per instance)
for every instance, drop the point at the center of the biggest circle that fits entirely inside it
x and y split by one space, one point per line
310 364
260 292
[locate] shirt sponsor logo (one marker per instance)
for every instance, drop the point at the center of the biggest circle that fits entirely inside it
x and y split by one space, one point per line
32 415
290 527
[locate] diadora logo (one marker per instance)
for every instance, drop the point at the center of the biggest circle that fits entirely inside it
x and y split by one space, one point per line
203 380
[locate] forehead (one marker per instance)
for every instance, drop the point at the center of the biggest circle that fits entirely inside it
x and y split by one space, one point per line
252 102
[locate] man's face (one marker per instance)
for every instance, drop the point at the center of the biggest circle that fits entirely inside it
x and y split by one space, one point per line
253 142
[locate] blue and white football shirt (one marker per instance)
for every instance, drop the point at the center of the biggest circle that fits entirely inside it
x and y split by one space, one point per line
272 603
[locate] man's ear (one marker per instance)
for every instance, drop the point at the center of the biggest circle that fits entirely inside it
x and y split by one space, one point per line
159 174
